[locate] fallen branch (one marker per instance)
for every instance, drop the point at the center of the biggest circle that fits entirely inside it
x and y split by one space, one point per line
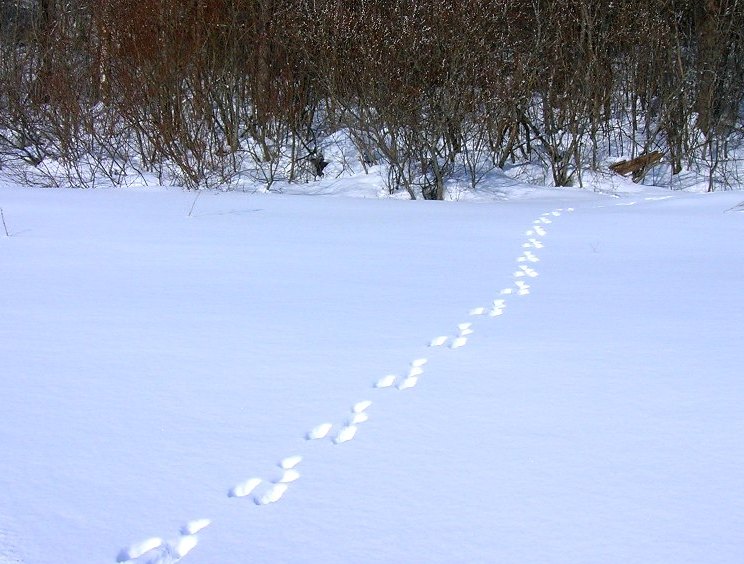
637 167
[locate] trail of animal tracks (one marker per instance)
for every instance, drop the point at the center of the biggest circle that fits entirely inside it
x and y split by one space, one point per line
551 378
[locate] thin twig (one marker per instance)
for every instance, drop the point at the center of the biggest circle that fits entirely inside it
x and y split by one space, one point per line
2 216
193 204
738 207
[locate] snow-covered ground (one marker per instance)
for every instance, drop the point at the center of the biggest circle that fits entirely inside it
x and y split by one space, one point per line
554 376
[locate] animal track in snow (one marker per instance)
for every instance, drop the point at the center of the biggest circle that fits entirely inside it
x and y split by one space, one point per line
498 308
345 434
527 271
528 256
319 432
278 487
275 489
438 341
358 415
193 527
522 288
245 488
290 462
464 329
271 495
409 382
180 547
459 342
533 243
168 552
477 311
389 380
138 549
288 476
415 371
156 551
540 231
360 406
289 472
357 418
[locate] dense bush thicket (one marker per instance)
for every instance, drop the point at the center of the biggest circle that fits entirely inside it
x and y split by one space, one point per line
205 91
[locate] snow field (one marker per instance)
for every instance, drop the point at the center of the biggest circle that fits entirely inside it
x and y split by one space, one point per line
369 404
159 551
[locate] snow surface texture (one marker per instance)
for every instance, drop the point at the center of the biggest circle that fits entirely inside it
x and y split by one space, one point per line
283 379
